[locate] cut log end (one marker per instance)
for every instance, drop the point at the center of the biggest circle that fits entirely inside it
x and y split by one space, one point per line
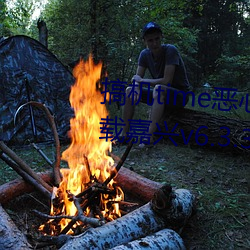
175 207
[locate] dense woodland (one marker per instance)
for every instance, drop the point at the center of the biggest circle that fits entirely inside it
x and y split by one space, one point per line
212 35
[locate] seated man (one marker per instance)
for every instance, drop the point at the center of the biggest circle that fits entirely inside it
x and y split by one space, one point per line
169 80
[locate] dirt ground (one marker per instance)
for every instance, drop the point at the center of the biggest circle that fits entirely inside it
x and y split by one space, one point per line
219 180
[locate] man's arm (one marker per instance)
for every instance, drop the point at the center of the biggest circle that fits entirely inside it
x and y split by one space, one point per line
140 71
167 78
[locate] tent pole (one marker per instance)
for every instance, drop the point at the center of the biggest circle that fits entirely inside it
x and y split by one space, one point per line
33 125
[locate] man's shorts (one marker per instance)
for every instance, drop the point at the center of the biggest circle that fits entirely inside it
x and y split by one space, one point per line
175 98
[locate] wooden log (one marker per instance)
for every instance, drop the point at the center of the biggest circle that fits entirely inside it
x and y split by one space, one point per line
175 206
26 176
136 185
148 219
220 130
18 187
10 237
25 167
161 240
125 177
138 223
131 182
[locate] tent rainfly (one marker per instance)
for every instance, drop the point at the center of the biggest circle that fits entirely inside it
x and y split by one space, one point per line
30 72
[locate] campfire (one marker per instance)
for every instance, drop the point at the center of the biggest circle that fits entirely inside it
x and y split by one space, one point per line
87 198
87 188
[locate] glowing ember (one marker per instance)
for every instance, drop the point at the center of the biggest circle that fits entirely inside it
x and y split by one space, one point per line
87 155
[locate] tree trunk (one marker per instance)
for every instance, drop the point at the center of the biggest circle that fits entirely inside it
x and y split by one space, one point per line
223 133
43 32
10 237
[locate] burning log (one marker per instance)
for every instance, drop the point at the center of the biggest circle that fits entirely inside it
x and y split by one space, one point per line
80 217
120 163
165 210
10 237
163 239
98 198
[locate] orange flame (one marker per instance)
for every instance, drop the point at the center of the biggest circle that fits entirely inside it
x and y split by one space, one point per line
85 132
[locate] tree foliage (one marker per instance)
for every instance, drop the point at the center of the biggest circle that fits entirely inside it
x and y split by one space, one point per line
212 35
4 20
111 30
223 36
20 16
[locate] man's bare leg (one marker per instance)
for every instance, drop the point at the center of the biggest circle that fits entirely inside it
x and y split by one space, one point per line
157 110
156 115
128 113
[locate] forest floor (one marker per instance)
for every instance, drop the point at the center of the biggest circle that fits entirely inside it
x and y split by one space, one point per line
220 182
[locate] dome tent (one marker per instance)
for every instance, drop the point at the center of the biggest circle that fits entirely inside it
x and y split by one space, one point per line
29 71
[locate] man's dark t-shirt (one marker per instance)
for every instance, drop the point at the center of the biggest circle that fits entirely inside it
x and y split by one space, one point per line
171 56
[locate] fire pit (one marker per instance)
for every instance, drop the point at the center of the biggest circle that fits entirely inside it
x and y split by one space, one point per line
159 210
86 198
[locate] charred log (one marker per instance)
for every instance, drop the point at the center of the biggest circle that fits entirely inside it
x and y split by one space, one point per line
176 207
